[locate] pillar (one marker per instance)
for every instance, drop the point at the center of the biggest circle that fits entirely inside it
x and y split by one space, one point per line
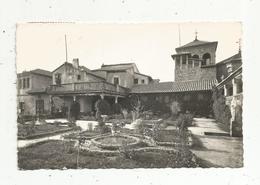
102 96
116 99
225 90
180 61
234 86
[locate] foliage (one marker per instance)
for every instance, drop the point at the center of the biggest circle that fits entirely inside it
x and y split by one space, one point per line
175 109
221 111
103 107
116 108
156 107
184 121
136 107
102 128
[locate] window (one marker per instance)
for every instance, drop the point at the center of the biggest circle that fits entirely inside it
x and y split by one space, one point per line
183 61
24 83
79 77
177 60
116 80
58 78
136 81
206 59
229 68
39 107
143 81
21 107
195 56
20 83
28 82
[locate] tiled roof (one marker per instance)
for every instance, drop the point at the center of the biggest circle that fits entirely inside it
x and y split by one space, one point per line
196 42
115 67
42 72
235 57
169 87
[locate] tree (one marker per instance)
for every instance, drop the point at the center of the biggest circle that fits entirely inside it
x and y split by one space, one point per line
221 111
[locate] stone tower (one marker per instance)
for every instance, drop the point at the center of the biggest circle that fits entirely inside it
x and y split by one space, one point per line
195 61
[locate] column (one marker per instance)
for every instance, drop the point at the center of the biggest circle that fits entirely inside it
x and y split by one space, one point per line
225 90
234 86
116 99
51 104
180 61
102 96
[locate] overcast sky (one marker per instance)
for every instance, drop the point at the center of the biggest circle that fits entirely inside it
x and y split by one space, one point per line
149 45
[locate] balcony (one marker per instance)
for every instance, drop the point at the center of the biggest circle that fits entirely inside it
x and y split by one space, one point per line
87 88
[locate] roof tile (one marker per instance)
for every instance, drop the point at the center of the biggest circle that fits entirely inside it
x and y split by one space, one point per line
169 87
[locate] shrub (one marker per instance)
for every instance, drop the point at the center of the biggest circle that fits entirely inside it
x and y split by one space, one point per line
175 109
221 111
103 107
102 128
116 108
184 121
156 107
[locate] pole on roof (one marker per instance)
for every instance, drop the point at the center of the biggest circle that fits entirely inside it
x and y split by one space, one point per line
239 44
66 49
179 29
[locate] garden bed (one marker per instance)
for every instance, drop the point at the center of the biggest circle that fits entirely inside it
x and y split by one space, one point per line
38 131
63 155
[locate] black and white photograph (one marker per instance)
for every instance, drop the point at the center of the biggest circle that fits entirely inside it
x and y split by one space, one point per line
132 92
125 96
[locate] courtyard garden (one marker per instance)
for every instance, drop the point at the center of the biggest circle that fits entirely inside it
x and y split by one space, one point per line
126 139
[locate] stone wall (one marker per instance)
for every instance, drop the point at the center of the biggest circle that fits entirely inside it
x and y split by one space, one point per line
125 78
70 74
201 50
186 73
30 103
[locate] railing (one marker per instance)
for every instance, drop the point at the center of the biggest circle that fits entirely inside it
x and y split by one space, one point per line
238 97
85 87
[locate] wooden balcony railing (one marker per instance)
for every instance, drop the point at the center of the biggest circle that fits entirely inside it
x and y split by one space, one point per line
87 87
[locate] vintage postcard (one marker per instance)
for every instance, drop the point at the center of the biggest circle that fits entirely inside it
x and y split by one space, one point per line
128 96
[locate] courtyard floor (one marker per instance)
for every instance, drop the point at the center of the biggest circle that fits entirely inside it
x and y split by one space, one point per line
216 150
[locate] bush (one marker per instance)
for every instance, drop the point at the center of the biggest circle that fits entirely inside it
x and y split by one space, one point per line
103 107
102 128
116 108
175 109
184 121
156 107
221 111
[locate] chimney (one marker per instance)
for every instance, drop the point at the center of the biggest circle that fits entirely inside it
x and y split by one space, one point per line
75 63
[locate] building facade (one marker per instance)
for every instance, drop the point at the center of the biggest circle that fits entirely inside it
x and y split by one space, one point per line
196 73
32 97
229 73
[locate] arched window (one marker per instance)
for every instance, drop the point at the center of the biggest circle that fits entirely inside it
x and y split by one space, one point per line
206 59
196 56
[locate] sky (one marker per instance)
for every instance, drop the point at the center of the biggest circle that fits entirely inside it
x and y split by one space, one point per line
149 45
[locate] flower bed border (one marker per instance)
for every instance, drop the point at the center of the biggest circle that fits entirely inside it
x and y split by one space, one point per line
40 135
114 147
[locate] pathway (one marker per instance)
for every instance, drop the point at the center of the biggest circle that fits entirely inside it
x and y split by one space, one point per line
216 151
26 142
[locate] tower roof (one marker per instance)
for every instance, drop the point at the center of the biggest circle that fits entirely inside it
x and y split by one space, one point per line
196 42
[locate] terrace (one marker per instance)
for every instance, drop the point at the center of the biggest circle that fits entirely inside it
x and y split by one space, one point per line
87 87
